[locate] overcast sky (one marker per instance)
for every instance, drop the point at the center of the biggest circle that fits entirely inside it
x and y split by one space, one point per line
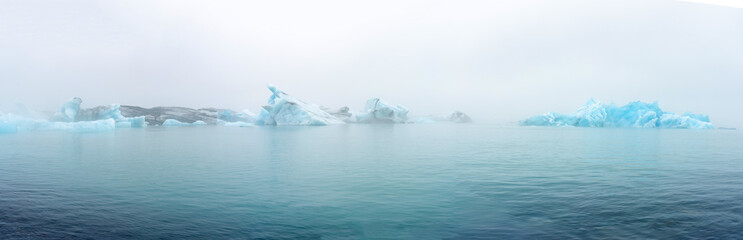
495 60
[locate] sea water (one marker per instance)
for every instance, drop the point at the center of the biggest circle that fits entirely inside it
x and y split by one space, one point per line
429 181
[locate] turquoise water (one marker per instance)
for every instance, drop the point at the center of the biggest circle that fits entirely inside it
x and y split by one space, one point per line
435 181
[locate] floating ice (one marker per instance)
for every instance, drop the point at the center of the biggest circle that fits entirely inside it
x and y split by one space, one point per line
633 115
234 124
157 115
341 113
284 109
455 117
10 123
176 123
379 111
458 117
71 112
6 126
232 116
68 112
71 118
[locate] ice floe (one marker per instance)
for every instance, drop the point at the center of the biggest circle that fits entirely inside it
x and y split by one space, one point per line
633 115
284 109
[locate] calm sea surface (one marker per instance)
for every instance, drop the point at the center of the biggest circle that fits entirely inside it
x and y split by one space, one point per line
430 181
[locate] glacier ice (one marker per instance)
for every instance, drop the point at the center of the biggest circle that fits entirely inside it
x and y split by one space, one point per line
455 117
342 113
176 123
284 109
71 112
458 117
10 123
71 118
157 115
234 124
633 115
379 111
6 126
68 112
233 116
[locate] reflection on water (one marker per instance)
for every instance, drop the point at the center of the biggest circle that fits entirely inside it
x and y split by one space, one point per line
372 181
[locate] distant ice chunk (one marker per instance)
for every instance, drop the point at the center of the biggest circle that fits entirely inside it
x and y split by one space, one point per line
284 109
458 117
379 111
633 115
176 123
455 117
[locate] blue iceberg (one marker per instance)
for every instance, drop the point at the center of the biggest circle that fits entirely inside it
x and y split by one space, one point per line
234 124
71 112
633 115
234 116
70 118
11 123
6 126
379 111
455 117
284 109
68 112
176 123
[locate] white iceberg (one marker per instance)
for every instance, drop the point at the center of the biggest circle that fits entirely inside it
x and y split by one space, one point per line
455 117
633 115
379 111
284 109
342 113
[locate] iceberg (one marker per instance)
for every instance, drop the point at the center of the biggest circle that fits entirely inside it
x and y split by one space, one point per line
70 117
158 115
106 125
176 123
6 126
633 115
68 112
71 112
11 123
284 109
455 117
340 113
234 124
379 111
233 116
458 117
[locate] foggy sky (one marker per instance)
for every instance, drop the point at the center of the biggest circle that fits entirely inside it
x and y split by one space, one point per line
495 60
